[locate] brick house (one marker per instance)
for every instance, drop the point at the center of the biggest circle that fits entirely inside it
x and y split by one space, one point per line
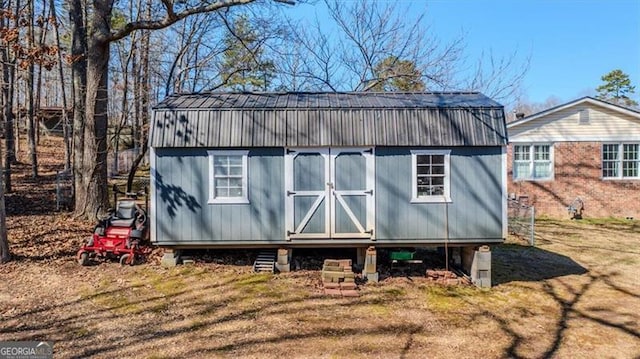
587 149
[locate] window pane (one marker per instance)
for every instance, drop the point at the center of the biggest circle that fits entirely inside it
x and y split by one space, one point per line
610 152
541 152
437 159
423 181
542 169
235 192
235 182
219 160
235 160
521 153
423 191
630 169
222 192
609 169
423 159
235 171
437 181
437 191
521 170
221 170
424 170
221 182
630 152
438 170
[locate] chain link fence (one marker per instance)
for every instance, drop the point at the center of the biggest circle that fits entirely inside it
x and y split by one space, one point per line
522 220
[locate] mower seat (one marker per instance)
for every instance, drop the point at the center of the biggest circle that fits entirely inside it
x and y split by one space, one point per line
125 214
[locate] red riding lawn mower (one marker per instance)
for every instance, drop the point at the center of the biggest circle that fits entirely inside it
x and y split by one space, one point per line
123 233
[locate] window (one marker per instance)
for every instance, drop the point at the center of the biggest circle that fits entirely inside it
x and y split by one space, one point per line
431 176
228 177
532 162
620 160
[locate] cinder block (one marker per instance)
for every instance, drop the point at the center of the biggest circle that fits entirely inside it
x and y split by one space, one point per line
331 285
372 277
283 267
349 280
332 262
171 258
349 275
332 292
327 268
284 256
350 293
345 263
370 260
331 278
347 285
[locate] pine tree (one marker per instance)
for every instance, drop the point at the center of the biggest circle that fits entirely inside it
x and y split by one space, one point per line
394 74
244 66
617 88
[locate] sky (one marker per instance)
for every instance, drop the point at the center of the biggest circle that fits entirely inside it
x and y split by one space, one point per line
571 43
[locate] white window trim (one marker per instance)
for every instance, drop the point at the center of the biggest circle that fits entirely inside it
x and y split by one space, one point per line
446 198
531 145
245 169
619 161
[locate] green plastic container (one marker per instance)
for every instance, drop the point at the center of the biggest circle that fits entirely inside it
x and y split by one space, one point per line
402 256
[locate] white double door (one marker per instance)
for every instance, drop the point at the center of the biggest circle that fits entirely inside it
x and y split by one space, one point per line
329 193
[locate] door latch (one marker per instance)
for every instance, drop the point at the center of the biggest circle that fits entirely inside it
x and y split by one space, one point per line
330 184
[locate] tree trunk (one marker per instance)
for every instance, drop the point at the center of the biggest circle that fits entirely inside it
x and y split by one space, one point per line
5 256
65 115
96 117
79 84
10 142
31 121
7 105
142 92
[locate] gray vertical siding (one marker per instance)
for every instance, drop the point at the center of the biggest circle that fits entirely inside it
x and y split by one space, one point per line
182 192
183 214
476 192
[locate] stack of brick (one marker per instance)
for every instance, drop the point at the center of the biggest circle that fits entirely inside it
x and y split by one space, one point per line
445 277
338 278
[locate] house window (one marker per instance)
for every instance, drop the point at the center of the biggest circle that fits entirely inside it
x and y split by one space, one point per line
431 176
532 162
620 160
228 177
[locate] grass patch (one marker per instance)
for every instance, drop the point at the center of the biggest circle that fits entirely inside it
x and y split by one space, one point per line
446 298
252 279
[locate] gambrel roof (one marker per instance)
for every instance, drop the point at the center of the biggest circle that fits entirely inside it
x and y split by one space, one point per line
301 119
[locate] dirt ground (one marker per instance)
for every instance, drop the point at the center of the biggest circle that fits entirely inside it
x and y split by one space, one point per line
576 294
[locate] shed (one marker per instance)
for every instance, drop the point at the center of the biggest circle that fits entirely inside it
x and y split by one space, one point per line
333 169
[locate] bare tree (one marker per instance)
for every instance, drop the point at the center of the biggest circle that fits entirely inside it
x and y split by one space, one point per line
5 255
10 34
368 34
66 128
31 120
368 45
499 77
91 191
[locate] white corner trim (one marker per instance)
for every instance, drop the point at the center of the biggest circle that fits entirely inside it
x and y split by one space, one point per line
505 195
152 193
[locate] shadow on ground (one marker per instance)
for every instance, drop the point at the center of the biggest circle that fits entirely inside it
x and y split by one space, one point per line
513 262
